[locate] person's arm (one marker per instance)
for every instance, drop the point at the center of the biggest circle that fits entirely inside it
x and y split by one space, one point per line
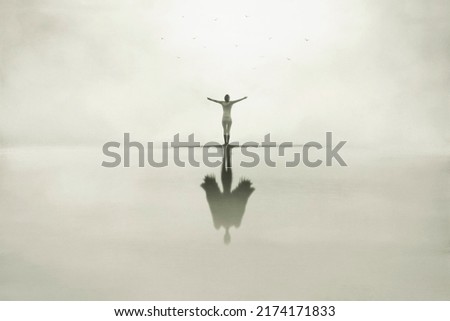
216 101
235 101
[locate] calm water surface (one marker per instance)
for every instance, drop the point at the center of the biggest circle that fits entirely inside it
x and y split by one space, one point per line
71 229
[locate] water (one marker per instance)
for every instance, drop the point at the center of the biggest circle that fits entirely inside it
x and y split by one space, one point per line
73 230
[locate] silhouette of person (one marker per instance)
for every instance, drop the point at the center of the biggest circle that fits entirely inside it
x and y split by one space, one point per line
227 207
226 118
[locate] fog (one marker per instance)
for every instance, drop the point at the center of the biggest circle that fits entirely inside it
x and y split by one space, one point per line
375 73
75 75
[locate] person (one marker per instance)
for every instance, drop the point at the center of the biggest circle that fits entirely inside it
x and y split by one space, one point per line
227 206
226 118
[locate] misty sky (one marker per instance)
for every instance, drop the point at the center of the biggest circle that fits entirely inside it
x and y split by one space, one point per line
376 73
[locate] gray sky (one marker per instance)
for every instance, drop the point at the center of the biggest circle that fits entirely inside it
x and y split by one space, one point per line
376 73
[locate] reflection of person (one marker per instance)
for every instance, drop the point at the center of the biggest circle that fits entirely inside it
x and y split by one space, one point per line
226 118
227 207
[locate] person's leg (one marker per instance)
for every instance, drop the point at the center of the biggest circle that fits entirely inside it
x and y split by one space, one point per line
228 131
224 125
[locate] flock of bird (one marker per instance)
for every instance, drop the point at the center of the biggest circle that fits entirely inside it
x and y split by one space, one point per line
236 45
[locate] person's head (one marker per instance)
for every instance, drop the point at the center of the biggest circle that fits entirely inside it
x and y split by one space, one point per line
227 98
227 237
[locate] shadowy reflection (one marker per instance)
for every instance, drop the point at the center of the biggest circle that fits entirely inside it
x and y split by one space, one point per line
227 207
